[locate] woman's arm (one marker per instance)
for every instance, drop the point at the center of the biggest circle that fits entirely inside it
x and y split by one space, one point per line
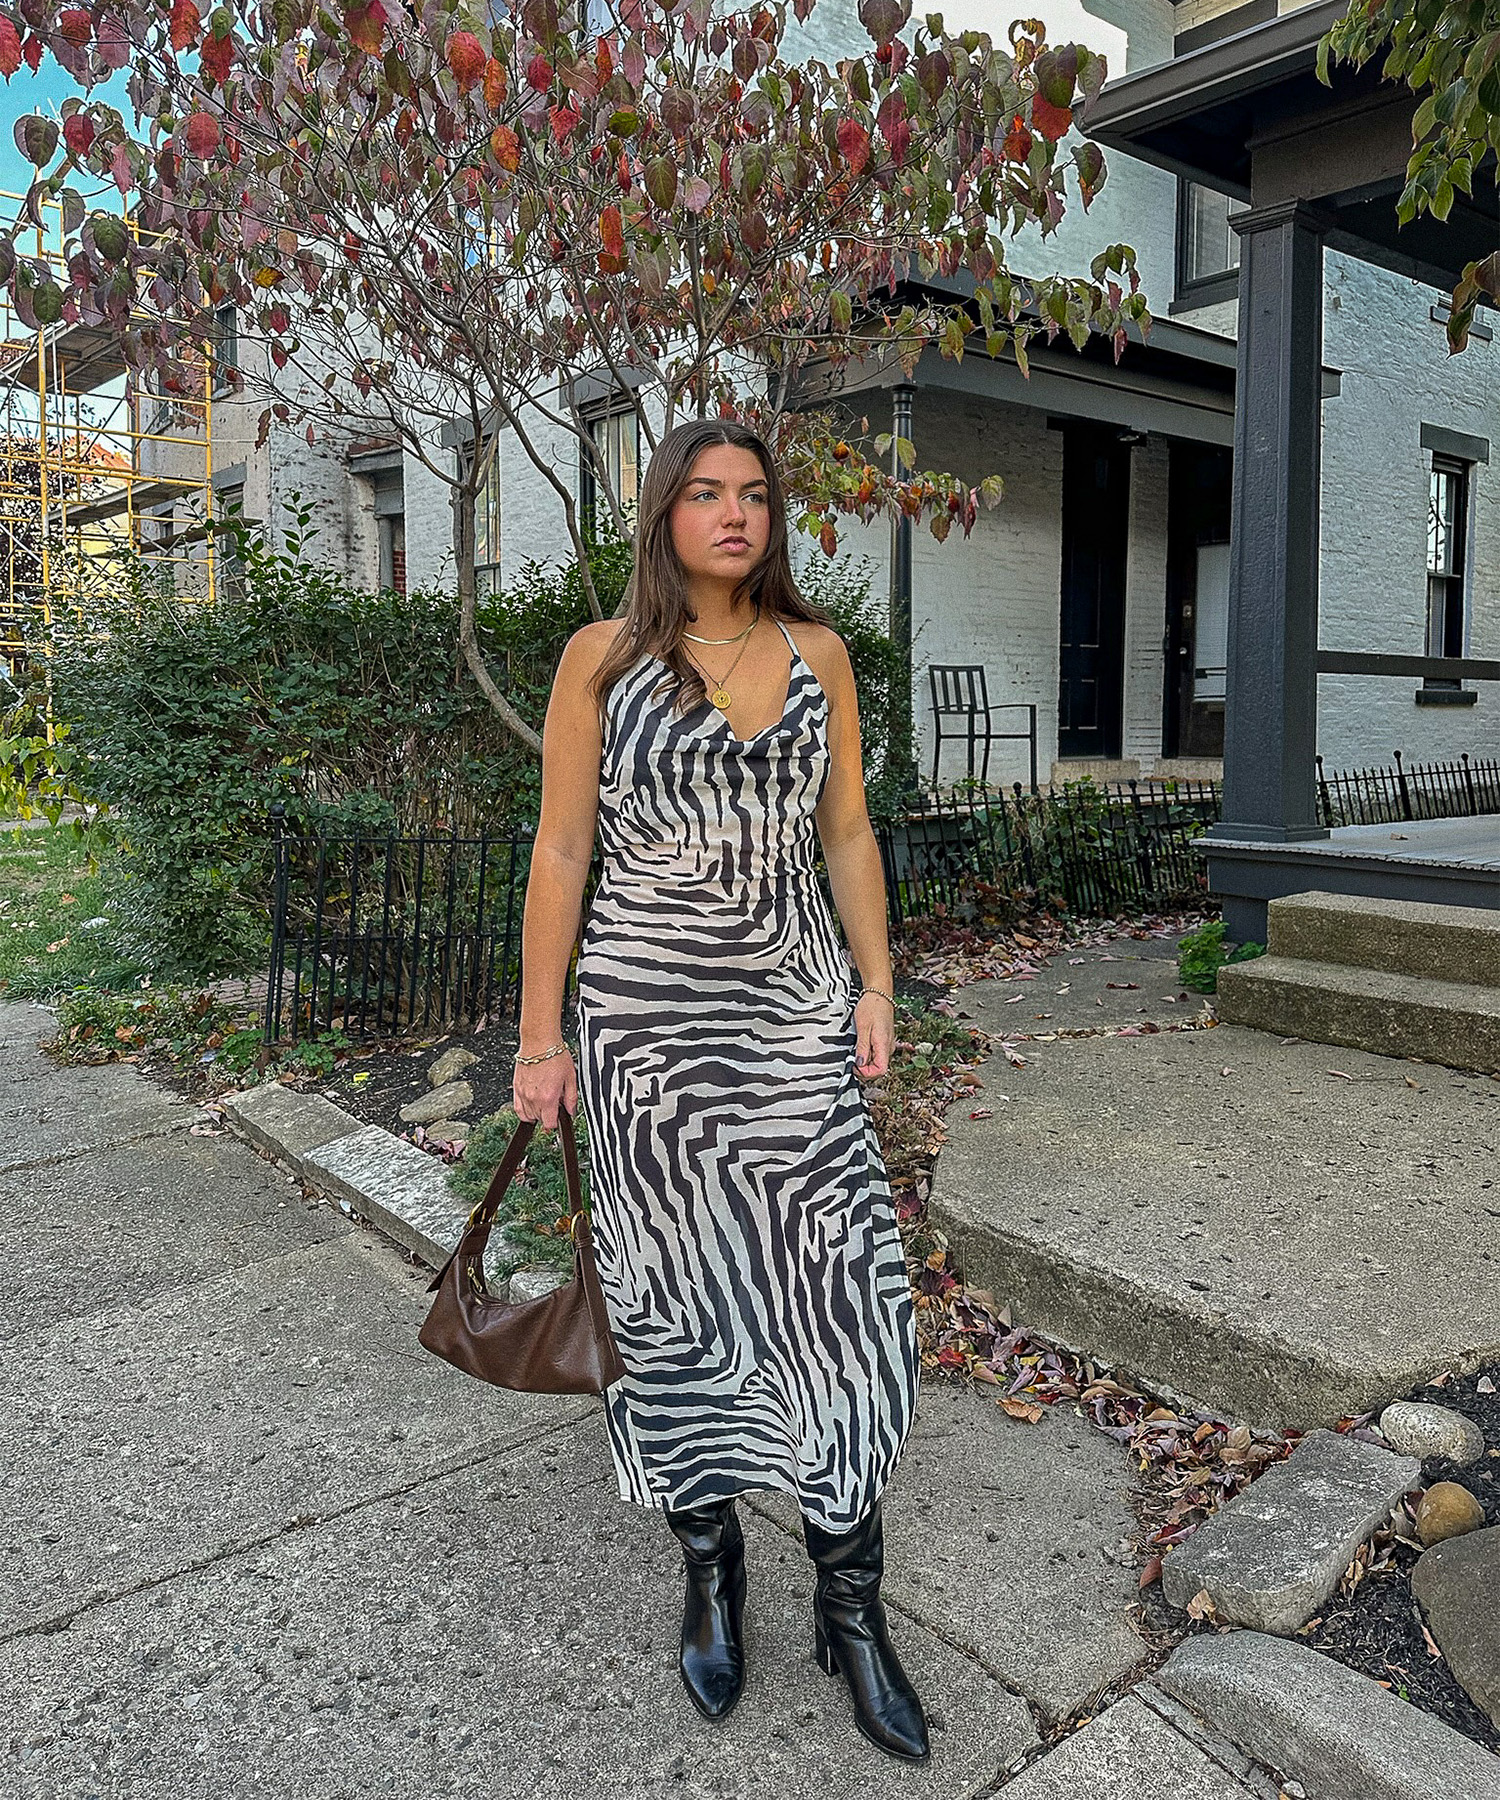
564 844
853 858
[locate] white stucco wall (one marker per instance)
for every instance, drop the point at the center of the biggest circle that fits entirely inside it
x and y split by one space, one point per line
427 498
1397 376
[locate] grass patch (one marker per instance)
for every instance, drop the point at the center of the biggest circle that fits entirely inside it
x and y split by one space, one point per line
51 889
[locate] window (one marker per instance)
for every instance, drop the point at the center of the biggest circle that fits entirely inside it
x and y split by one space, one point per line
618 437
229 502
226 345
1208 251
1447 560
486 528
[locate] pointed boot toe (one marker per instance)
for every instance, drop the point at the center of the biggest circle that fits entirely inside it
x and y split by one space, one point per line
712 1659
851 1638
714 1686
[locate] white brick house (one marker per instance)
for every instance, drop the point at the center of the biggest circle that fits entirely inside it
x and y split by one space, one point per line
1096 589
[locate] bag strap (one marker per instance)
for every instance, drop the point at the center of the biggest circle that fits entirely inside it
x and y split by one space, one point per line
480 1220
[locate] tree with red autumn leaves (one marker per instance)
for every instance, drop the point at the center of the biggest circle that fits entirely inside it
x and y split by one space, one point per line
440 212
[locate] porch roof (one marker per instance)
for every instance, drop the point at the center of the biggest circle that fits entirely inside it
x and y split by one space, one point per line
1249 117
1177 381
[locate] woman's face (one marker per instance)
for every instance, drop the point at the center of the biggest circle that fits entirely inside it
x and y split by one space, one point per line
721 521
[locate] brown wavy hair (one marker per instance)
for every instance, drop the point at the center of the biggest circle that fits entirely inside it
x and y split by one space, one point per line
655 607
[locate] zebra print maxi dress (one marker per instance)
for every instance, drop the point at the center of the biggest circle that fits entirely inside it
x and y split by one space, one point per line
742 1215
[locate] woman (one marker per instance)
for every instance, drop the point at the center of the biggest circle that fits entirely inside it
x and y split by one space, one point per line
742 1217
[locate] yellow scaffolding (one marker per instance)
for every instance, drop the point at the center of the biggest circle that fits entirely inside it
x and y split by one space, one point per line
93 464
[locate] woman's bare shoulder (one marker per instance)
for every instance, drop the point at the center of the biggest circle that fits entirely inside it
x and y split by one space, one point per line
822 648
589 645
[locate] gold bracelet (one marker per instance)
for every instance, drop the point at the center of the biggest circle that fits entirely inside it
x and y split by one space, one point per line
882 993
556 1050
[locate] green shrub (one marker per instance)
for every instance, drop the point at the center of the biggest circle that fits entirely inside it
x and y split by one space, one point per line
860 619
1201 954
353 710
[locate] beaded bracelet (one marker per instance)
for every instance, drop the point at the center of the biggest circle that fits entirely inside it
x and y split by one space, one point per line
881 991
556 1050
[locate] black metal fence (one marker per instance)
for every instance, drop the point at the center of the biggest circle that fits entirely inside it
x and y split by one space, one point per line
381 934
1092 849
384 934
1465 789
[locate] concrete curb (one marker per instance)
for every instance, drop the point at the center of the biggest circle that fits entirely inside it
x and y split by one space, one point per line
370 1172
1338 1734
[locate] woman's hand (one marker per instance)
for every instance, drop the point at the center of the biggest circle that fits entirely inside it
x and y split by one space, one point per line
540 1087
875 1021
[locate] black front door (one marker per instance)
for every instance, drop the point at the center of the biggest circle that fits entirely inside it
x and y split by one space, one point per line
1197 599
1095 539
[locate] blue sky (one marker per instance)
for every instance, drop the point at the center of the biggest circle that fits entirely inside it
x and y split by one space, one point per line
43 93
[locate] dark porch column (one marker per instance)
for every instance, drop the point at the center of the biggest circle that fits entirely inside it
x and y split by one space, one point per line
901 751
1271 710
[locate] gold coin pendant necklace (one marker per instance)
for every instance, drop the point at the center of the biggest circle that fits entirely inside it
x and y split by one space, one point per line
721 696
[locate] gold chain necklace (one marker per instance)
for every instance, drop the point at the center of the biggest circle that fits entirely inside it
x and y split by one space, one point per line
729 640
721 696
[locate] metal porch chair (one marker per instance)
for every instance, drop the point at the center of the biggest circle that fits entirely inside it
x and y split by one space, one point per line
959 692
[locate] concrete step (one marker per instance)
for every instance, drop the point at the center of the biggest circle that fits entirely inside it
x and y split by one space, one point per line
1442 943
1451 1022
1219 1215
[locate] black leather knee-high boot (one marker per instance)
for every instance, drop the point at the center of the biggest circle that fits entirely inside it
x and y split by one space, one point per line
850 1635
713 1655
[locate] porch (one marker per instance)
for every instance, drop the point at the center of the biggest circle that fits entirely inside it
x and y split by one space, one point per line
1320 166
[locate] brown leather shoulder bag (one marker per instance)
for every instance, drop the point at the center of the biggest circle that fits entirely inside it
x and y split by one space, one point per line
558 1344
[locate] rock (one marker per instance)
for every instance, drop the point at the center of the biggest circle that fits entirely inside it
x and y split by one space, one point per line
1327 1729
1418 1428
451 1131
450 1065
442 1103
1270 1557
1447 1510
1457 1585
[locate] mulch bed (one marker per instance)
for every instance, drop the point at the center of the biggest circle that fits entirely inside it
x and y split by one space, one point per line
1374 1624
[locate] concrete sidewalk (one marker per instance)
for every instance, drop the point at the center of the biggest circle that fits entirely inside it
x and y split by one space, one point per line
256 1541
1285 1231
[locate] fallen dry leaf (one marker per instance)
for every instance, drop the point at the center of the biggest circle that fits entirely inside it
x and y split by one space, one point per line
1021 1409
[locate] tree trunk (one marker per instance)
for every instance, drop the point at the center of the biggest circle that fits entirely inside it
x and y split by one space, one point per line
463 549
